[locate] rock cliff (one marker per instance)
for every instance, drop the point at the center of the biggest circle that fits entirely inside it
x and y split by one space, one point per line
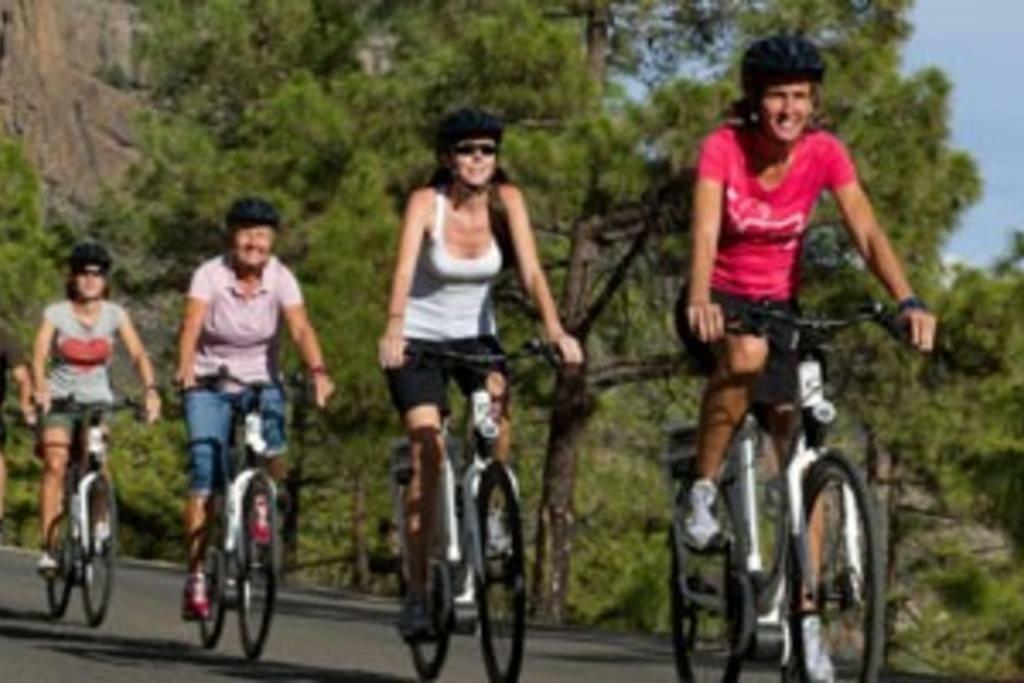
66 75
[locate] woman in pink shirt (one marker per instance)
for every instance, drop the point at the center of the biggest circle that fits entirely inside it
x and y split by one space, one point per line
757 183
236 305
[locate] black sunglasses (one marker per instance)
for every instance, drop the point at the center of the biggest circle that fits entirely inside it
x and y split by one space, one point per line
90 270
465 149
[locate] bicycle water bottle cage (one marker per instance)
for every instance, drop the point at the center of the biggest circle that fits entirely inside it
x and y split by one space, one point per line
483 415
254 433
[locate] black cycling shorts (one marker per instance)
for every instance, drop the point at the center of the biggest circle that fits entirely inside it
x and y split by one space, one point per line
423 380
778 381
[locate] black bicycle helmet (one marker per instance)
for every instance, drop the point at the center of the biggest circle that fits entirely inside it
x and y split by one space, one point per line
252 211
468 123
86 254
781 55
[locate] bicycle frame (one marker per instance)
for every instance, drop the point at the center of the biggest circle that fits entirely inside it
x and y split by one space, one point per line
458 540
254 447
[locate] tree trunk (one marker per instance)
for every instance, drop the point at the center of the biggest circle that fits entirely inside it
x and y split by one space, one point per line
598 23
359 546
556 516
882 477
553 545
290 524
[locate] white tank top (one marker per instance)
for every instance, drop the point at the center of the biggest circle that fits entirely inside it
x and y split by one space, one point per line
450 297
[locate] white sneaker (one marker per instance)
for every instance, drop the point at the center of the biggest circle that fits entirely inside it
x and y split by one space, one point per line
499 542
701 524
817 661
47 564
100 536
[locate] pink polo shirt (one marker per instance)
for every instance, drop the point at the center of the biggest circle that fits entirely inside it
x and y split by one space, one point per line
763 230
241 331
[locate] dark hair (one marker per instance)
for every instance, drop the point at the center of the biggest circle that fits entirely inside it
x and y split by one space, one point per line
250 211
497 212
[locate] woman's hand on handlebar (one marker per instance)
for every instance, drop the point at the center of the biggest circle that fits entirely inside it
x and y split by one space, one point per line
391 351
185 378
151 403
41 399
705 320
920 326
323 388
569 349
28 412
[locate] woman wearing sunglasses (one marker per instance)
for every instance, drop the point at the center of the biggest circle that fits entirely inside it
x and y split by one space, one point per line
77 335
457 235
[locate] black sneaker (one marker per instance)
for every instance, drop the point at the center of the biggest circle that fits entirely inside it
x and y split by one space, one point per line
415 621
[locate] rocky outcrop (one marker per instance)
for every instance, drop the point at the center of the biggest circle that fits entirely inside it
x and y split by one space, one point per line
66 69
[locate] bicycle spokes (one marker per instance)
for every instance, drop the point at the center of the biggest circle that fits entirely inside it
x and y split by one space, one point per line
845 565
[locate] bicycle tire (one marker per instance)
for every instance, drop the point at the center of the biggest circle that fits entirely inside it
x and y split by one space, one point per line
99 560
61 581
215 572
429 654
837 591
258 569
503 656
694 627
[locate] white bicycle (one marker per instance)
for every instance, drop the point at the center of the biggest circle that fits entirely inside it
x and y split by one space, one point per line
242 562
475 571
85 540
740 599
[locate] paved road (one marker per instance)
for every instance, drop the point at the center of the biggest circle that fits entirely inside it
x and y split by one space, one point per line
317 636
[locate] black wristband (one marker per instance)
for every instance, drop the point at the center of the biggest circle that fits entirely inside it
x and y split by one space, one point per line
912 303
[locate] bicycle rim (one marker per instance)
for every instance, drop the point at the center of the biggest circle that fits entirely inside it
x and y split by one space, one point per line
848 585
501 589
257 581
100 557
215 573
59 584
429 654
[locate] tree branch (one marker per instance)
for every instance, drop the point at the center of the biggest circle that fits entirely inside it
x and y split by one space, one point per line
618 372
614 281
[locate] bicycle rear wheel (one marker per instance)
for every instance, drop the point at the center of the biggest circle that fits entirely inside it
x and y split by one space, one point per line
501 589
60 582
257 576
429 654
100 557
847 583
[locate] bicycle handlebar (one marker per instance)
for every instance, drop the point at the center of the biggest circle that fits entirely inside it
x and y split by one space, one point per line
529 348
821 328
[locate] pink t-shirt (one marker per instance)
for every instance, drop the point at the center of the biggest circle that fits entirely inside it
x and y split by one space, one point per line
763 230
241 331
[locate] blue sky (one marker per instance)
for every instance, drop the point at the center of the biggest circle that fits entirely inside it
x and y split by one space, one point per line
980 46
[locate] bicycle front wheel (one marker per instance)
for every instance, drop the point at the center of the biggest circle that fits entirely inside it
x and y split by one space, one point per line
215 572
60 582
429 654
846 574
501 587
101 554
257 576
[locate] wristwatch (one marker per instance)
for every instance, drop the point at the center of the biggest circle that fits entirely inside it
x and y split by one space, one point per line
912 303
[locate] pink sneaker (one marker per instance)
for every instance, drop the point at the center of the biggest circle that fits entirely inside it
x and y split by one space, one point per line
195 605
259 528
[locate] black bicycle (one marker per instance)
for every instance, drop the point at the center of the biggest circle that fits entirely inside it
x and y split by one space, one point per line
85 539
741 598
477 560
